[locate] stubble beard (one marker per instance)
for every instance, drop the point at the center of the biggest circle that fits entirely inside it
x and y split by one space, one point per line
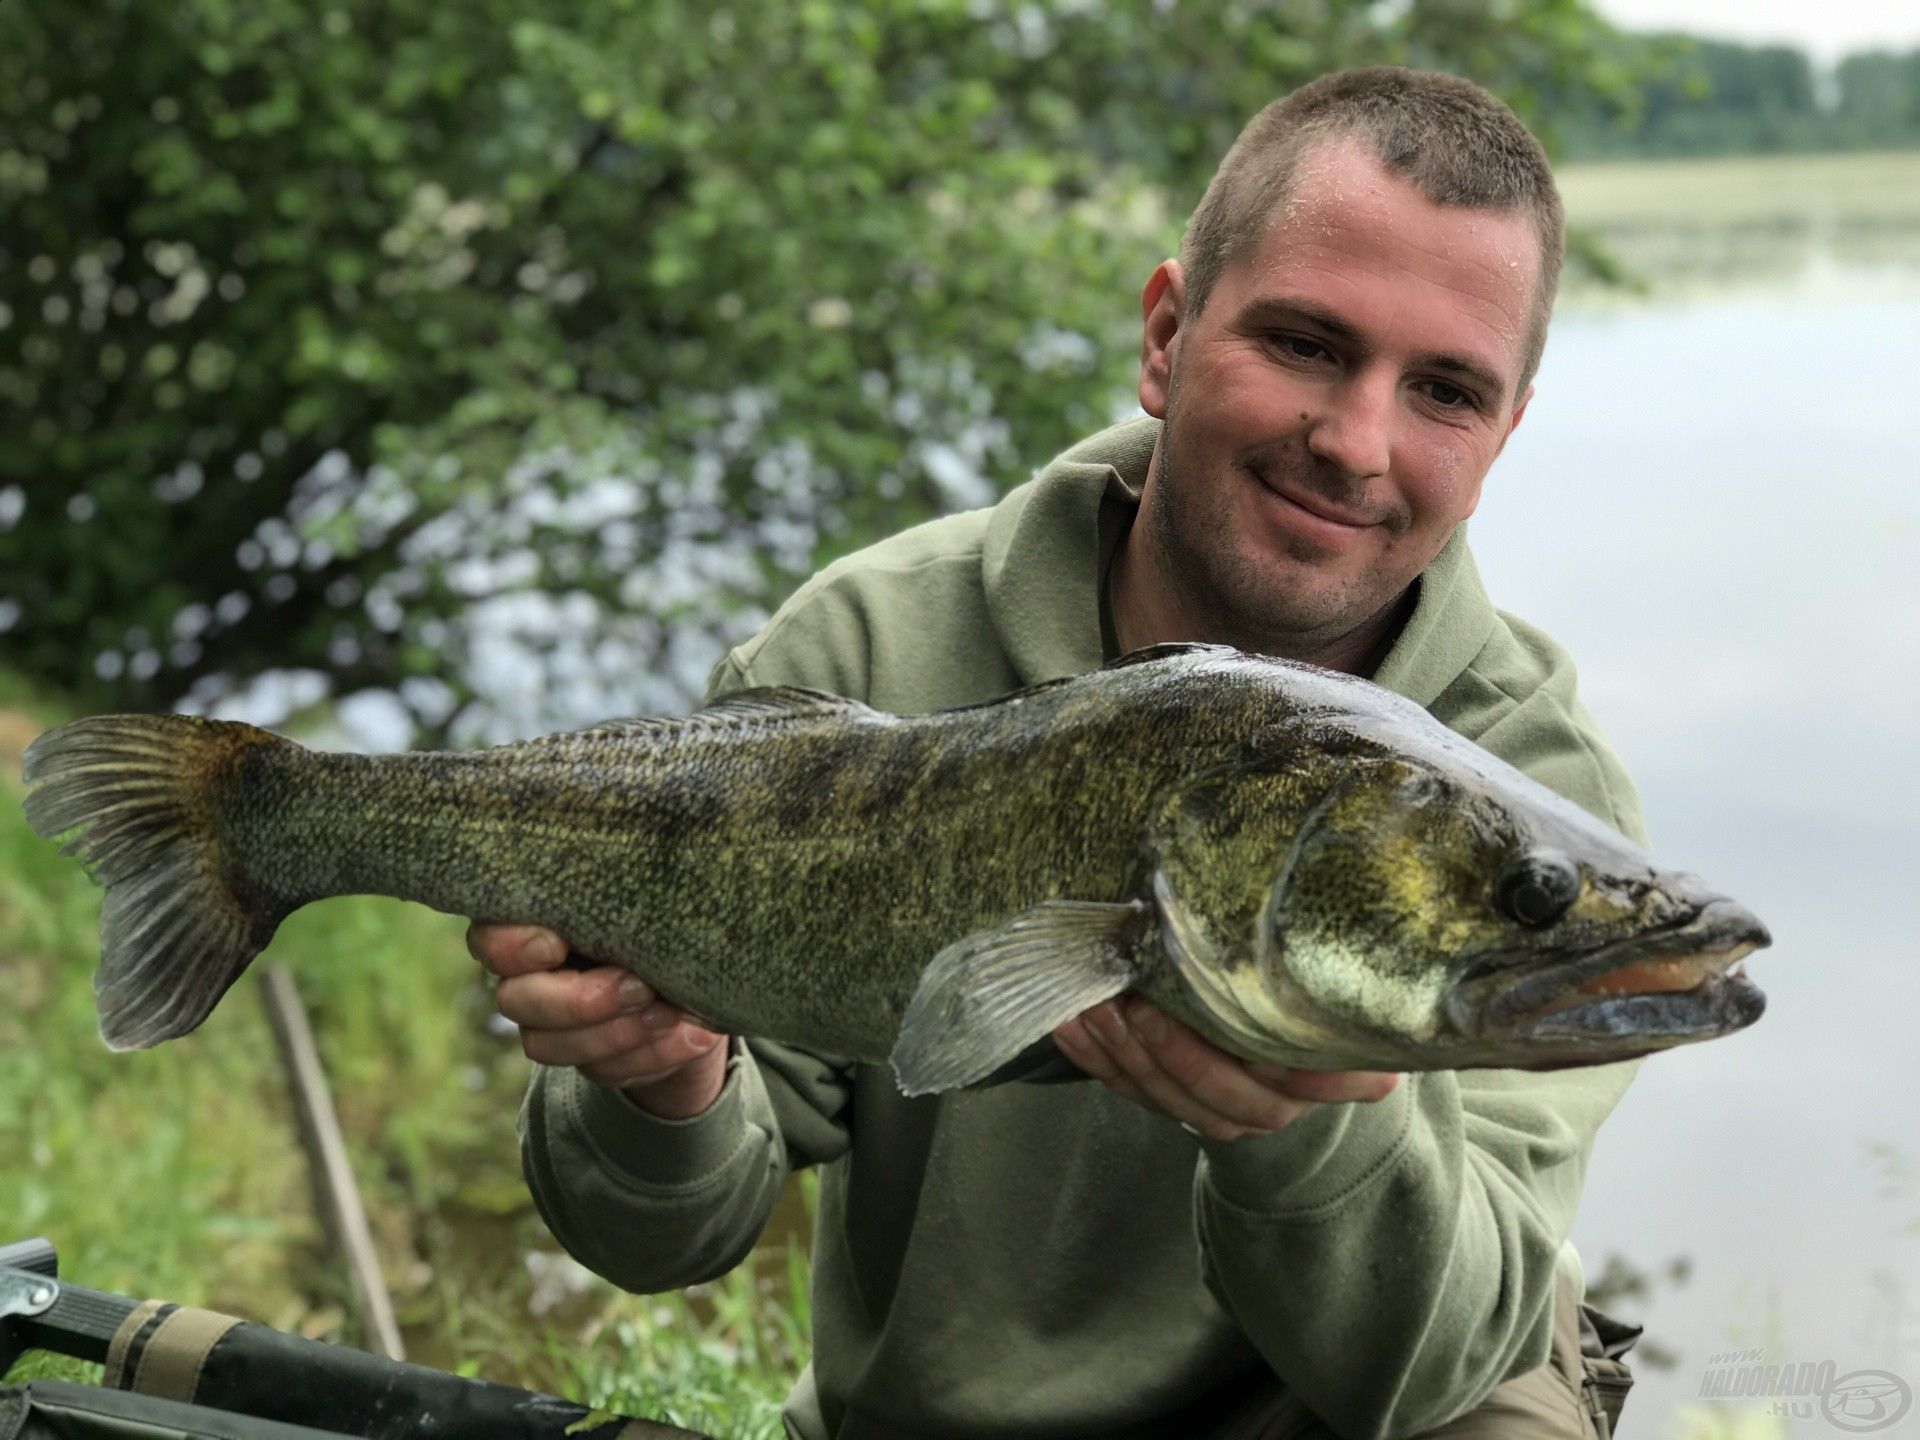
1270 605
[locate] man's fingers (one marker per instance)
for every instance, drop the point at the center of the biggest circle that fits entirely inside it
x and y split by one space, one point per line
515 949
638 1037
1101 1042
1146 1055
603 1021
1204 1095
1076 1042
1080 1047
1328 1087
1216 1079
568 999
669 1055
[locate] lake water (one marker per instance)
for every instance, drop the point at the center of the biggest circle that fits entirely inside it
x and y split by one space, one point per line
1714 503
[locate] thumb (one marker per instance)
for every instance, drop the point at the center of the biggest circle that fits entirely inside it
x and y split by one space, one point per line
509 950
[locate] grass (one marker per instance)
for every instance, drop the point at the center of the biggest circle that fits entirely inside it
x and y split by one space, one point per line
176 1172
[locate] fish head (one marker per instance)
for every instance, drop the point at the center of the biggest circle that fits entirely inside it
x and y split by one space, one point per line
1387 909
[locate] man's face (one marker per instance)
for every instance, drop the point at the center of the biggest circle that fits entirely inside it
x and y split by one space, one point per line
1332 411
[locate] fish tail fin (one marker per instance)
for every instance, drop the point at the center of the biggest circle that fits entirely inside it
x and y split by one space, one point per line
144 797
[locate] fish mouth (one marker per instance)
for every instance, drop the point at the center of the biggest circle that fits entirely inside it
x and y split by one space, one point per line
1670 986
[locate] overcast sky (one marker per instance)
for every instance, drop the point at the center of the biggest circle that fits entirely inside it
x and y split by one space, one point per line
1827 30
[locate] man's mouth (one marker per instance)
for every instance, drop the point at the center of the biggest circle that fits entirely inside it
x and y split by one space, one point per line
1308 502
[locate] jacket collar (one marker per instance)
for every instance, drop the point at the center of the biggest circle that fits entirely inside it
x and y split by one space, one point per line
1047 551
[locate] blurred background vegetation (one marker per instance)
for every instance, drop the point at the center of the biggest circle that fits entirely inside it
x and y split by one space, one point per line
428 374
1716 97
485 368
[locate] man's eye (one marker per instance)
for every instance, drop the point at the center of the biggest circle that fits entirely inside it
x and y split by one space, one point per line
1298 346
1449 396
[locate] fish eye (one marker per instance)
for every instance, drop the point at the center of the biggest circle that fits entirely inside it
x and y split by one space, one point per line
1537 888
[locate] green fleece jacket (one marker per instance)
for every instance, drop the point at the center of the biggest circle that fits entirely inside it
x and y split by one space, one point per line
1052 1259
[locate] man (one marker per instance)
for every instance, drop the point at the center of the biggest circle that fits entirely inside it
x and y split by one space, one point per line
1194 1246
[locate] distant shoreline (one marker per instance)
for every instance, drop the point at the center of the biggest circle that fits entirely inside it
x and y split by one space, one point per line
1829 223
1782 157
1727 189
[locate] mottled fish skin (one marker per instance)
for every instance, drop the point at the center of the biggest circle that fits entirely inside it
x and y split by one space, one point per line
786 871
1297 862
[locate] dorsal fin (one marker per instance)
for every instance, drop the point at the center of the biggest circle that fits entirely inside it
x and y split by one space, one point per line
778 702
764 703
1166 650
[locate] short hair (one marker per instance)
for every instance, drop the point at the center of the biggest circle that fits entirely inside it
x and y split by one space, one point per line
1457 143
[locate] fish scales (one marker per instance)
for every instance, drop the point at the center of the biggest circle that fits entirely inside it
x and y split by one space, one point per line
1300 865
724 860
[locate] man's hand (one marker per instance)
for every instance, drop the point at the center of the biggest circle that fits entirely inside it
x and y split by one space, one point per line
605 1022
1138 1049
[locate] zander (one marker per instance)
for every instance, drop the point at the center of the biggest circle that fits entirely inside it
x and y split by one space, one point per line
1302 866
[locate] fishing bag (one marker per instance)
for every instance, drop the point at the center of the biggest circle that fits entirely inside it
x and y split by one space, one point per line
57 1410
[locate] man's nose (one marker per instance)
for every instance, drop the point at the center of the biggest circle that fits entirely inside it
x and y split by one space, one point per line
1353 429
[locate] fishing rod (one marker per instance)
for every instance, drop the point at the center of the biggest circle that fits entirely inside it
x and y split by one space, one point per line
215 1364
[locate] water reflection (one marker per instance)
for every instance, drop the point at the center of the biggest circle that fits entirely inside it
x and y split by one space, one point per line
1713 504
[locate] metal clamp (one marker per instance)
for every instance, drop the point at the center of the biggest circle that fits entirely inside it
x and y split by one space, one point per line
38 1311
24 1293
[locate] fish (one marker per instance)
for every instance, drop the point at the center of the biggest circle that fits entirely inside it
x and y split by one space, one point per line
1304 867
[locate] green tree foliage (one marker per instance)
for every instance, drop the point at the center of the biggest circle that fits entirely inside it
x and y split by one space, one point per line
1879 99
1716 97
1732 97
504 359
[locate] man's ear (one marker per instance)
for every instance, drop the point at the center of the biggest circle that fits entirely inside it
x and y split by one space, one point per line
1513 422
1161 304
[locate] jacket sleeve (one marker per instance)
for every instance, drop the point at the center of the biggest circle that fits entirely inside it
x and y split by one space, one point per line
1394 1262
654 1204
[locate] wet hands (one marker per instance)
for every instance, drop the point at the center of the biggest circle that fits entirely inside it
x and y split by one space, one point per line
1136 1048
605 1022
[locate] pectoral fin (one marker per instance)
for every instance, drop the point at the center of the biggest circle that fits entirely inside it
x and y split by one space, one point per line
987 997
